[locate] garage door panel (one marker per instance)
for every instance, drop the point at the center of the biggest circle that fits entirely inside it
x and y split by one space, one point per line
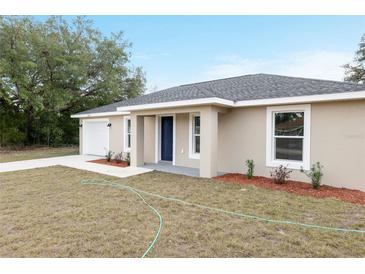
96 137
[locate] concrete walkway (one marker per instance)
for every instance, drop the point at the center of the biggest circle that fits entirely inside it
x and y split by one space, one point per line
168 167
74 161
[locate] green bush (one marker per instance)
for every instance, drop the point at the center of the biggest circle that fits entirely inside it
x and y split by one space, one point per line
127 158
250 167
109 155
11 136
280 174
315 174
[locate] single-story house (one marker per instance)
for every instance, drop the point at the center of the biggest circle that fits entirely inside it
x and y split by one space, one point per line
214 126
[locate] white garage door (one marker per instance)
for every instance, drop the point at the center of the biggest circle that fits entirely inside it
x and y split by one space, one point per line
95 137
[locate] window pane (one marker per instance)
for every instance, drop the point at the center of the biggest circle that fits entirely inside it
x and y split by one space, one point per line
289 149
129 125
129 141
289 124
197 144
197 124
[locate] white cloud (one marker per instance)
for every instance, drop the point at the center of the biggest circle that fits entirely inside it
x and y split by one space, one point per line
311 64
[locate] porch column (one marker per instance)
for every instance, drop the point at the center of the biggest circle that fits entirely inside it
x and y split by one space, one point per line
208 142
137 140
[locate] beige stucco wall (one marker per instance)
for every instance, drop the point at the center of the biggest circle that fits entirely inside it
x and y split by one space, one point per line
241 136
149 139
116 136
181 145
182 133
81 142
337 141
182 142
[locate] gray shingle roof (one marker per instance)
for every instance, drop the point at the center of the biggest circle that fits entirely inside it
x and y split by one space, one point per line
241 88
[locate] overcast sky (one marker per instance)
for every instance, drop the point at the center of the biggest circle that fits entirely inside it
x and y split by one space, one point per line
176 50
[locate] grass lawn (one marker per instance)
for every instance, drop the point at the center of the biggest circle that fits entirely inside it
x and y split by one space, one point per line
36 153
47 212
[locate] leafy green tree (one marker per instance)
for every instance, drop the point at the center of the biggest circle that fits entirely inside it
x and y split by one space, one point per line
11 124
355 71
51 69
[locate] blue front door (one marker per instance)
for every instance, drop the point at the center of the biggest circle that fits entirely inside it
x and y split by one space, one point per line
166 138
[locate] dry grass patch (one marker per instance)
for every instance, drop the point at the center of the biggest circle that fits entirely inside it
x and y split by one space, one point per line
36 153
48 213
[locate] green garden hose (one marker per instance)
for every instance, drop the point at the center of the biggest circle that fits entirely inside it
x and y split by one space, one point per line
258 218
131 189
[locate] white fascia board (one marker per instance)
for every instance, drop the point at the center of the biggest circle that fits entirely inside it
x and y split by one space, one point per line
183 103
303 99
100 114
355 95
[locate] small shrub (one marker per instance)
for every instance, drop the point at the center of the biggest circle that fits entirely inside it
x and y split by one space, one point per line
315 174
250 166
119 157
109 155
127 158
280 174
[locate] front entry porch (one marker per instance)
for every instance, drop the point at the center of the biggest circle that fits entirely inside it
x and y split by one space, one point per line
170 168
176 141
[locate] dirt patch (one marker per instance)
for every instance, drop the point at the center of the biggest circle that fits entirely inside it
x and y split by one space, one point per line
111 163
295 187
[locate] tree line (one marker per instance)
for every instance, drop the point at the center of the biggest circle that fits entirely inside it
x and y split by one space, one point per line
54 68
51 69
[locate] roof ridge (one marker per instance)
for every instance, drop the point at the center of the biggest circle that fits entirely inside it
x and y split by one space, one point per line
219 79
266 74
314 79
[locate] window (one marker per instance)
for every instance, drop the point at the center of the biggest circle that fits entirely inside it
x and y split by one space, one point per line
194 149
127 133
288 136
196 134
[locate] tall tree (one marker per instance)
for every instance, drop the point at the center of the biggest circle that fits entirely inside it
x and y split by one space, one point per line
355 71
51 69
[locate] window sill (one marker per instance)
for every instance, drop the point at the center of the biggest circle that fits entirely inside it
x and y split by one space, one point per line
289 164
194 156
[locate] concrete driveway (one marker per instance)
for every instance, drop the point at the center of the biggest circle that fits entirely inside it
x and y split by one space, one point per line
74 161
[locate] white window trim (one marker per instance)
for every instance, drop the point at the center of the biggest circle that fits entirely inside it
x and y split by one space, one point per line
270 146
192 155
125 129
158 137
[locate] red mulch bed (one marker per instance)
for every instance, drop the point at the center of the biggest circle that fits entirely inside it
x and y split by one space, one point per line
111 163
300 188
